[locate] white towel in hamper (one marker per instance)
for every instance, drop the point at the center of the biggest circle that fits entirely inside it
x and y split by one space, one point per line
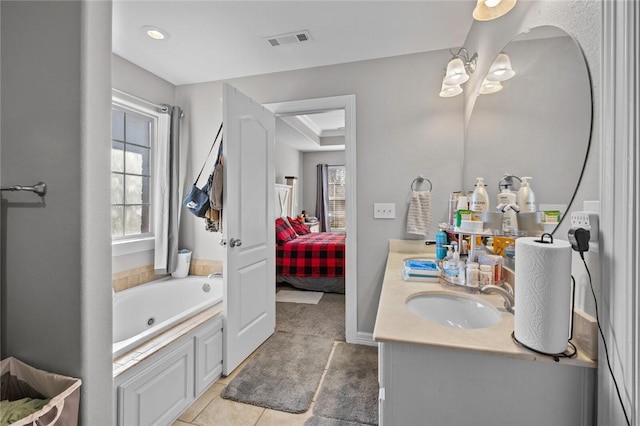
419 213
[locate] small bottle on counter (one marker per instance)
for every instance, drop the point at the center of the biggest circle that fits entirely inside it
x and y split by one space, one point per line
441 242
473 274
486 275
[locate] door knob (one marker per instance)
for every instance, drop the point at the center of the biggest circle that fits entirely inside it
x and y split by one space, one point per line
235 242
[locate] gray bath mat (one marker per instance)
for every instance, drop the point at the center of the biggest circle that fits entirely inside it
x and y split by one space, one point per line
349 391
321 421
284 373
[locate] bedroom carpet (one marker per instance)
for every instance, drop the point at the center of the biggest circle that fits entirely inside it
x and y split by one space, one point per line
283 374
349 391
326 319
299 296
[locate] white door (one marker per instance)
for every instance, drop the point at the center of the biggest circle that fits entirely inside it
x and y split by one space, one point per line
248 226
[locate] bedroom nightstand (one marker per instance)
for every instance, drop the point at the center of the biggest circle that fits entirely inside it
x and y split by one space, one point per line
313 226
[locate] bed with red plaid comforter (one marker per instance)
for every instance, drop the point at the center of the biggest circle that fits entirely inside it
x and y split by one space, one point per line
318 254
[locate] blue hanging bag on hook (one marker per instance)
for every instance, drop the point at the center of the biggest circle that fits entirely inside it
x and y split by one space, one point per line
197 200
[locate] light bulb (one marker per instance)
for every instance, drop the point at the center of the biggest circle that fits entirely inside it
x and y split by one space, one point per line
487 10
155 32
501 69
488 87
456 74
449 91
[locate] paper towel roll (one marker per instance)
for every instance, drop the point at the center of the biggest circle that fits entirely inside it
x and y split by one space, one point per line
543 294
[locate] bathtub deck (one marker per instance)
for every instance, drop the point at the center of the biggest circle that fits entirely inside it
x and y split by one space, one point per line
142 352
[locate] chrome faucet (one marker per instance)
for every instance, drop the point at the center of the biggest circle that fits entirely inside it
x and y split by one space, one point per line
508 297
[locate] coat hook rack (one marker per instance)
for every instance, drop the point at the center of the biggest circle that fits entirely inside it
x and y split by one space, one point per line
39 188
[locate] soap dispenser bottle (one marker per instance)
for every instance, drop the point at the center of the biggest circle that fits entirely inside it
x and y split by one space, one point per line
450 263
441 241
479 198
526 198
506 204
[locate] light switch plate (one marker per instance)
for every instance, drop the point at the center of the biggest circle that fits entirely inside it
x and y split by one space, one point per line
384 210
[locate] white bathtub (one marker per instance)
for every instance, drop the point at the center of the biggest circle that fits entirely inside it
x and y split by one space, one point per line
147 310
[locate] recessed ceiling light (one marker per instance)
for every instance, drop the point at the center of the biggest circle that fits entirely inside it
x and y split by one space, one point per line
155 33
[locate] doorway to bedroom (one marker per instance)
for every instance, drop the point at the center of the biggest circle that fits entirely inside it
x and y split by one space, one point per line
315 158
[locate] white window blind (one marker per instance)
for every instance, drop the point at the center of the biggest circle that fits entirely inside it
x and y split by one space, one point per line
337 198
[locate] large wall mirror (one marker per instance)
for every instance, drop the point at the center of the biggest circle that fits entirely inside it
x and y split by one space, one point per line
539 124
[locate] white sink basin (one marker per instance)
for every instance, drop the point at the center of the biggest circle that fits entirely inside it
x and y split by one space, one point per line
453 311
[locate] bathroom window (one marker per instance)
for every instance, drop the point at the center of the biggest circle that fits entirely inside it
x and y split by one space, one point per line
337 198
132 142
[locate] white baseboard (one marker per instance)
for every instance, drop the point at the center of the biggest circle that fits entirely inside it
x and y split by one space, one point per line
365 339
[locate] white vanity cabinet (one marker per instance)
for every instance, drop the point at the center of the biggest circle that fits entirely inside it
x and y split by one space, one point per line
159 388
438 386
431 374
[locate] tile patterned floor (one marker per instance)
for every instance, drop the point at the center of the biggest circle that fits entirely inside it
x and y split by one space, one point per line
212 410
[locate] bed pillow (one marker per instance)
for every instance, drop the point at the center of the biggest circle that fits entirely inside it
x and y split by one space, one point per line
298 226
284 231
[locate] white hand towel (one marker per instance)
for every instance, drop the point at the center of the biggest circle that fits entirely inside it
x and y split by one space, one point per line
419 213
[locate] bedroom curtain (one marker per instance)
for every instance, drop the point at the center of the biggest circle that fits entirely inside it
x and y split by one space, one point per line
322 197
167 204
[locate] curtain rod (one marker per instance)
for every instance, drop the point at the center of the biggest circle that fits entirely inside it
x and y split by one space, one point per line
162 107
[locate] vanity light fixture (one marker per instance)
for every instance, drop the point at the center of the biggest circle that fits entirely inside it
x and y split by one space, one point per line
457 72
488 87
501 68
459 67
487 10
156 33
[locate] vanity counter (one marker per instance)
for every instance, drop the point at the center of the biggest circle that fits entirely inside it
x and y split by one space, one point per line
396 324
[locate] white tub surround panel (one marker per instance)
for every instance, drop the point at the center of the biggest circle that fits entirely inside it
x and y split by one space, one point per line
163 377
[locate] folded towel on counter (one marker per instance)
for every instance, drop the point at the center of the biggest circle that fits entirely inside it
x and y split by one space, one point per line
421 270
419 213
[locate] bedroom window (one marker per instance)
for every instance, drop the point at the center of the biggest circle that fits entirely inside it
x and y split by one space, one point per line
337 198
131 153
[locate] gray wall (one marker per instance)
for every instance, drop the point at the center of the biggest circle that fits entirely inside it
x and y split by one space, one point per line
289 163
136 81
309 162
56 258
403 130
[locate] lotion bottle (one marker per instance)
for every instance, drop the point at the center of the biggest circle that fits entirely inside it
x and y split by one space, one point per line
526 198
479 198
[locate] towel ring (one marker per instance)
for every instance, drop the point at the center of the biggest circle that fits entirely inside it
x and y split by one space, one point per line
419 180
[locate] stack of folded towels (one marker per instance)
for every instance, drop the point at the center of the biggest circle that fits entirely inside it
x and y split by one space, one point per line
421 270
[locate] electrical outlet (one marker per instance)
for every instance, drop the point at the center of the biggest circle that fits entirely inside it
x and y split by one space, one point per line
384 210
588 221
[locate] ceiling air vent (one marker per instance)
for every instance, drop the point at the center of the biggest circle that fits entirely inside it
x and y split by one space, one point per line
295 37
